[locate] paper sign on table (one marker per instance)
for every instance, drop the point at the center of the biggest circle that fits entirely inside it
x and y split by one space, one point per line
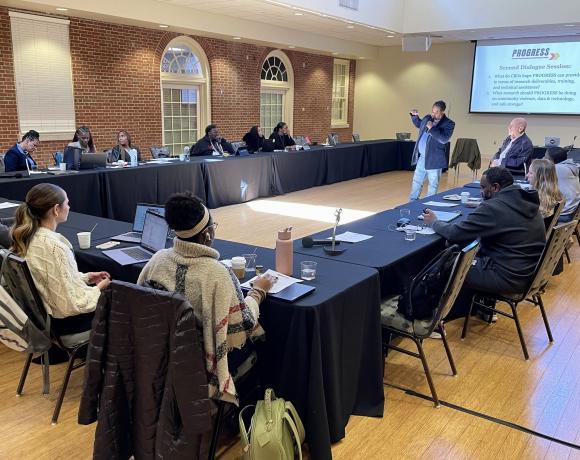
351 237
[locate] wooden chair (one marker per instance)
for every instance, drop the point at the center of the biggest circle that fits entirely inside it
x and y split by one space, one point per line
533 293
394 322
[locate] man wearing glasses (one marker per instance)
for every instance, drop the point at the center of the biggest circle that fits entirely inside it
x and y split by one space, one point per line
19 154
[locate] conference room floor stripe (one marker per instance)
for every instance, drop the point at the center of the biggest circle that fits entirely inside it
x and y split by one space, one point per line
485 416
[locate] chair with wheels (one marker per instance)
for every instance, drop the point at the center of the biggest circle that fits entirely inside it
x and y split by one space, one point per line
20 286
160 152
533 293
393 322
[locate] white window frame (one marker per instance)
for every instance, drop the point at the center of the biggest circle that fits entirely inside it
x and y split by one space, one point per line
43 75
341 122
201 82
285 87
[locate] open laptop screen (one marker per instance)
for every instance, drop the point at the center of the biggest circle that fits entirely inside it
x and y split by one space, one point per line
154 232
140 212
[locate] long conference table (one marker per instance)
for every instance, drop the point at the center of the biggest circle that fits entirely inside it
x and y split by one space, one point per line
114 192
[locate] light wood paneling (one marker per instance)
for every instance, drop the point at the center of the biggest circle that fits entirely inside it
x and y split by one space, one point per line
541 394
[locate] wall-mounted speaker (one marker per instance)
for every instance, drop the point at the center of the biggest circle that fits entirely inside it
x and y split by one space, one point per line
416 43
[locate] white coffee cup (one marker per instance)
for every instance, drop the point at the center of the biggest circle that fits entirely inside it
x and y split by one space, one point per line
239 267
465 197
182 157
62 166
84 239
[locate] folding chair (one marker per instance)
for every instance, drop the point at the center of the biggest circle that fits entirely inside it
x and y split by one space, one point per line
394 322
20 285
533 293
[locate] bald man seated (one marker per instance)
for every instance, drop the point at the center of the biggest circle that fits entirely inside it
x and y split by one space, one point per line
516 149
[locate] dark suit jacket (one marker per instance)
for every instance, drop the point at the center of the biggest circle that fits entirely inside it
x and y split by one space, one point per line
204 147
439 135
519 153
15 160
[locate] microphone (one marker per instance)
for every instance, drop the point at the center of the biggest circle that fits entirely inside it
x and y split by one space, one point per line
308 242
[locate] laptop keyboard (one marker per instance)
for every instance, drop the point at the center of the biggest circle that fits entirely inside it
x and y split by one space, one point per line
132 235
137 253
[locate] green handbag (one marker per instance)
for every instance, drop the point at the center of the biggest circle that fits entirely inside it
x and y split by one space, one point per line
276 431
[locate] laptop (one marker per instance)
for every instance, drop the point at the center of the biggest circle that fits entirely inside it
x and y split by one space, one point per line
268 145
155 232
72 157
134 236
93 161
243 152
403 136
551 141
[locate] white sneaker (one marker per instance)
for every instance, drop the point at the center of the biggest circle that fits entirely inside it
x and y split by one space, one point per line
435 335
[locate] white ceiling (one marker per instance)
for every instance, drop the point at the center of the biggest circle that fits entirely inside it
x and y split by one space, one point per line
278 13
275 13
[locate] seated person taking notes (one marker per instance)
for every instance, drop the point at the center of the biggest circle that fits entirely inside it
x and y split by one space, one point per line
66 293
83 139
192 268
568 183
212 144
16 157
511 231
282 138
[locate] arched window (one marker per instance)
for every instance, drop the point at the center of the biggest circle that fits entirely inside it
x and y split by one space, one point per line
185 93
276 91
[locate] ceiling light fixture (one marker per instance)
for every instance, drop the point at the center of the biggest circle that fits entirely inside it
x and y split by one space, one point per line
569 25
335 53
291 46
237 38
298 14
390 36
163 26
62 9
350 27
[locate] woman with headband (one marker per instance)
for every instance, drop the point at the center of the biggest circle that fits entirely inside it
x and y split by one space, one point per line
192 268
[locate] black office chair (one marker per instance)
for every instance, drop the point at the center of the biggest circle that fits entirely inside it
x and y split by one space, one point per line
575 216
20 285
533 293
394 322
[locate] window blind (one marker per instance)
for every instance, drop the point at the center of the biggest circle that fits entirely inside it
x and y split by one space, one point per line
43 74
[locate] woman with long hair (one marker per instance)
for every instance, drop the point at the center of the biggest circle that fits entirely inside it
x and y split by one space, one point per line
281 137
65 292
254 139
542 176
83 139
124 145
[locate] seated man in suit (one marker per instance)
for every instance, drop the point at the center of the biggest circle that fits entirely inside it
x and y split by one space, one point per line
15 159
516 149
212 144
512 236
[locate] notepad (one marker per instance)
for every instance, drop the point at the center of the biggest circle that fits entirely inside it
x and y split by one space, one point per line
281 283
351 237
443 216
441 204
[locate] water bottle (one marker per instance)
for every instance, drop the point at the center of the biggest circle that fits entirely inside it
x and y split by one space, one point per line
284 252
186 152
134 157
58 157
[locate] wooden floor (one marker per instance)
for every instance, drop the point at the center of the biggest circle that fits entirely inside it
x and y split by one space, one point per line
542 394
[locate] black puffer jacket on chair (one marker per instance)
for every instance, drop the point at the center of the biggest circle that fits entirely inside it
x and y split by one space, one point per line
145 379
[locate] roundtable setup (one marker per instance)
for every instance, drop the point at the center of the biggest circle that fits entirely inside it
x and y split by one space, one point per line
324 351
115 191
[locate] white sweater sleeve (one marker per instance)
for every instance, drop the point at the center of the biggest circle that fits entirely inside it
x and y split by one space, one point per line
61 286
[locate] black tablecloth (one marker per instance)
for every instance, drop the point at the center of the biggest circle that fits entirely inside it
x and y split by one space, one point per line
114 193
323 352
396 259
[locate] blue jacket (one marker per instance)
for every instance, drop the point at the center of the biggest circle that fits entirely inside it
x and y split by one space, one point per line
438 136
519 153
15 160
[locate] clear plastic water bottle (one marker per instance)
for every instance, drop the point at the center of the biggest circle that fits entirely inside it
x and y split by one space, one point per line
186 152
134 157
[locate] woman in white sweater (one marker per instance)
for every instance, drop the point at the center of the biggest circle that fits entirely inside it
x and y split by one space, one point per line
66 293
192 268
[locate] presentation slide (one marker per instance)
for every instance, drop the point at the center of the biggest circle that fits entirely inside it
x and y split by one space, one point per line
541 78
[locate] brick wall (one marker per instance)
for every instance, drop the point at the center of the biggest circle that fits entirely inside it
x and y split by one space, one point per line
117 85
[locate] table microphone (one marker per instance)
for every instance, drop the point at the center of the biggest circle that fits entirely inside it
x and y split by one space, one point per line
308 242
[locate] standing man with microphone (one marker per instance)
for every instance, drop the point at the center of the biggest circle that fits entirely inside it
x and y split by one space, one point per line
435 130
